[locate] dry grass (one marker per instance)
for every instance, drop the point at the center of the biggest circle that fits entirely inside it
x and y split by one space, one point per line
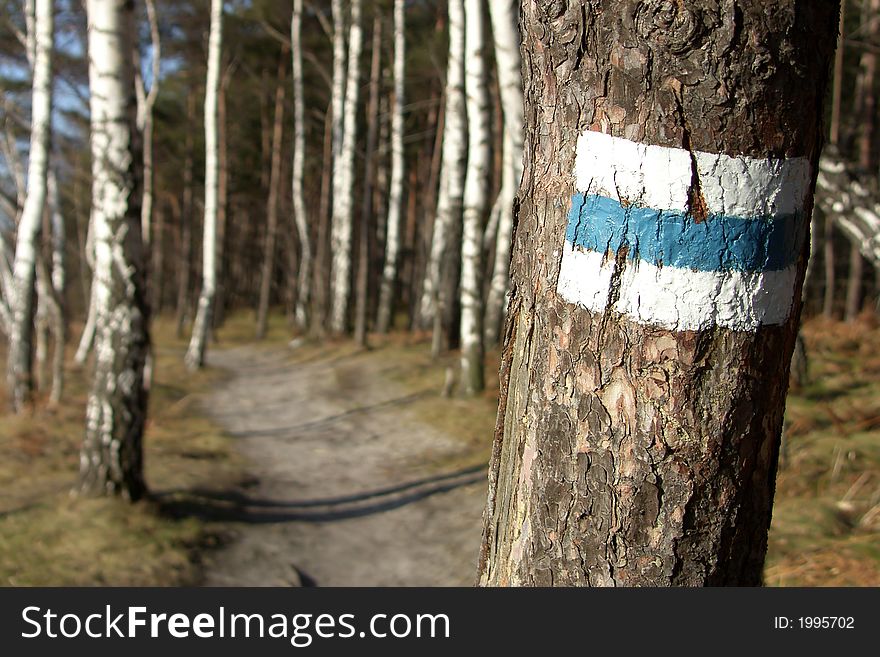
826 519
48 537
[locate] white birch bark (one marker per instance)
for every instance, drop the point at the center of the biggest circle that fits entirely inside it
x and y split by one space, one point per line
343 197
337 92
19 363
146 101
299 146
504 16
475 200
452 167
111 459
195 354
395 194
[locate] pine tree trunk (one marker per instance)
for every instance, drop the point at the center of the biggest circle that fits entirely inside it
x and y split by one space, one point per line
219 313
322 247
271 240
111 460
646 348
195 354
304 274
395 194
343 193
19 375
185 216
853 301
367 209
504 14
830 269
446 235
475 201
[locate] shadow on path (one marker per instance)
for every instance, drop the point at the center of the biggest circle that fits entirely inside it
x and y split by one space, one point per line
236 506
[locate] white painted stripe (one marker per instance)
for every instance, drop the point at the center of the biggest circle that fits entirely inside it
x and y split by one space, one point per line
660 177
674 298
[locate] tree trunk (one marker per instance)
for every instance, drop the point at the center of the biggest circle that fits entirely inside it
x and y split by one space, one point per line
219 313
343 193
395 195
830 267
304 275
504 15
58 280
656 300
363 282
322 247
19 375
195 354
475 201
146 101
111 460
184 255
853 302
445 238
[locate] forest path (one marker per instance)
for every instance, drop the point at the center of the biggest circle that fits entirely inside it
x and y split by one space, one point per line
349 486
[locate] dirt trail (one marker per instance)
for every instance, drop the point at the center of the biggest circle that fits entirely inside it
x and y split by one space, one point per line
347 490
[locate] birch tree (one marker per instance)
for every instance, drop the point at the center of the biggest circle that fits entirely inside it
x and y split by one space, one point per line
446 235
111 459
343 193
19 371
304 275
656 295
395 194
195 354
475 200
146 102
504 15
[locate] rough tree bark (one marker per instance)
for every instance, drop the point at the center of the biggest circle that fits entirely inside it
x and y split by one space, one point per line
475 201
395 193
111 459
19 367
195 354
656 292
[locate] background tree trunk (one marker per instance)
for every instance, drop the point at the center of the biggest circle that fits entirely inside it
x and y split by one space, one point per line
504 15
395 194
363 281
270 243
19 375
304 274
343 176
446 236
475 202
195 354
641 405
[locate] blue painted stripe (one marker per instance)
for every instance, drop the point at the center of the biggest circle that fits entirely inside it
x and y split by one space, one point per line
674 238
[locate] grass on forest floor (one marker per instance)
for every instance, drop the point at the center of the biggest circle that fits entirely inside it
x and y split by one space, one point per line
826 518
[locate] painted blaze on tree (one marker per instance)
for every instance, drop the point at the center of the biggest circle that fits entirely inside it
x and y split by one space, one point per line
660 250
